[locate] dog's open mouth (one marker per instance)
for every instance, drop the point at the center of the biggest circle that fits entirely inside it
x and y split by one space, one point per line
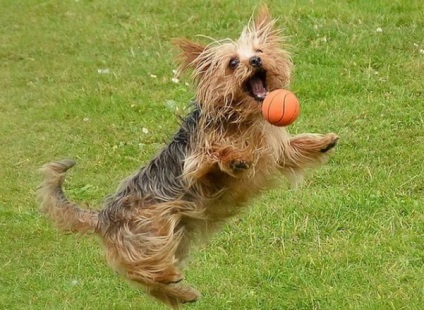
256 85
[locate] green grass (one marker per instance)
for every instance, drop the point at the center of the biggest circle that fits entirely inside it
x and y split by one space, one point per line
352 238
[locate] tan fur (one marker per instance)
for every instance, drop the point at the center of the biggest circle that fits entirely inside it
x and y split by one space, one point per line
224 155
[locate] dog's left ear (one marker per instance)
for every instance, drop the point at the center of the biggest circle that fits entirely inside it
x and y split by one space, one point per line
190 52
263 24
263 17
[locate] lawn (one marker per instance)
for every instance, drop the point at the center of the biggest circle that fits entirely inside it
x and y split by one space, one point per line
93 81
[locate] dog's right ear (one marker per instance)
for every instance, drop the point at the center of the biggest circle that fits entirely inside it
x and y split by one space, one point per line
190 52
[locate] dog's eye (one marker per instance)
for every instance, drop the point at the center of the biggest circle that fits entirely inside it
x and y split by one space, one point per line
259 51
234 63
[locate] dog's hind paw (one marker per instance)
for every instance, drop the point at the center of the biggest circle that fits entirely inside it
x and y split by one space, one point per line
191 296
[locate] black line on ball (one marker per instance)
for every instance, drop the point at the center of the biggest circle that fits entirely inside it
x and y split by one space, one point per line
269 106
284 109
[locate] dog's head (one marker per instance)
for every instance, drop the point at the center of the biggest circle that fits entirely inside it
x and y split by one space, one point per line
238 74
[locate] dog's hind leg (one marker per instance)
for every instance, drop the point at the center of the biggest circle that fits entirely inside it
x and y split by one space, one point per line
145 248
159 273
162 281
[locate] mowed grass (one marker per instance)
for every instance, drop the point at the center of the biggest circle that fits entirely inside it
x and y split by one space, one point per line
92 80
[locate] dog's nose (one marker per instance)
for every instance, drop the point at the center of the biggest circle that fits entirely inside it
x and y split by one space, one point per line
255 61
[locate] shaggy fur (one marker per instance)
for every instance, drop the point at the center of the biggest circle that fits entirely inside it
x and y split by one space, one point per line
223 155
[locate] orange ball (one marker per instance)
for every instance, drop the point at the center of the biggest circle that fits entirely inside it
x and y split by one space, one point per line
280 107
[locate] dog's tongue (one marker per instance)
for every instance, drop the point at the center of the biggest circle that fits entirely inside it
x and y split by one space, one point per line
257 87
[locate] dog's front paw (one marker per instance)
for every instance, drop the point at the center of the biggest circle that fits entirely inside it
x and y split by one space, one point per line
331 141
239 165
232 161
234 167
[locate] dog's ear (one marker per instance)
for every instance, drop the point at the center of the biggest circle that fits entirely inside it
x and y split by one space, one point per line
263 18
190 52
263 25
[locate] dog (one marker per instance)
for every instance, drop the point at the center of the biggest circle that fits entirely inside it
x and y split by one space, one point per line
223 155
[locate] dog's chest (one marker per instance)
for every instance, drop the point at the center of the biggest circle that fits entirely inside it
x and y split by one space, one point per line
263 150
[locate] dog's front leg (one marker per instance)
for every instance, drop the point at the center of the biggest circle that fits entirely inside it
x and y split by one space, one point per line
309 149
232 161
219 160
304 151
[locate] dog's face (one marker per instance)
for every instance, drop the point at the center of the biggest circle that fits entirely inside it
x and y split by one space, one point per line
238 74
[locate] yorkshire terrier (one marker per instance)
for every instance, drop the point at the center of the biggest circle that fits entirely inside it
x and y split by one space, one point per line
224 154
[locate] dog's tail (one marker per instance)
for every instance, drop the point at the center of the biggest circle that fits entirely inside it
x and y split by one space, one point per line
66 215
